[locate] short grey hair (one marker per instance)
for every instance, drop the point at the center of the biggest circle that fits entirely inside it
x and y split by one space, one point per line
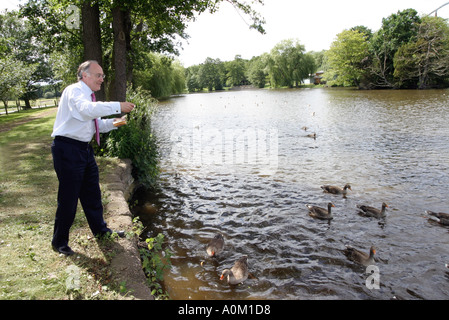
84 67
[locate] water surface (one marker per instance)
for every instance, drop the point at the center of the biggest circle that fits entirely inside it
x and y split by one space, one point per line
240 163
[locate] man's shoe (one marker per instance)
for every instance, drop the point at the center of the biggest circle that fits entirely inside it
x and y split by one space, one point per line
120 233
66 250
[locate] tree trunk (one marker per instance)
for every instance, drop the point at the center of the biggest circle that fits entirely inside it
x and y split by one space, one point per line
118 92
92 37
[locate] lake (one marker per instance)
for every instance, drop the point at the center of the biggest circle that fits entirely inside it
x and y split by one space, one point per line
242 163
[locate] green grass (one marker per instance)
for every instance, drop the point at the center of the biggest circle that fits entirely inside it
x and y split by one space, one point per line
29 268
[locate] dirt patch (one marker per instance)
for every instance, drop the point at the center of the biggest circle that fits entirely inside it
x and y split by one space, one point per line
126 265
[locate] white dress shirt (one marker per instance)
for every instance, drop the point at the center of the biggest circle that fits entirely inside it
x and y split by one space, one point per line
76 113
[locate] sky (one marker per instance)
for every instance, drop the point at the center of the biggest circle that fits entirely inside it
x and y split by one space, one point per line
313 23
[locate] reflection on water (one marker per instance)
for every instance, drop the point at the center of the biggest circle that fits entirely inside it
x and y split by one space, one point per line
240 163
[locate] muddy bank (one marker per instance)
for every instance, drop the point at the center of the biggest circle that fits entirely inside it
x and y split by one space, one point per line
126 265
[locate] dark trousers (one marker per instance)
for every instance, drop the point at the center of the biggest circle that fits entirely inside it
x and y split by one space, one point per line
78 177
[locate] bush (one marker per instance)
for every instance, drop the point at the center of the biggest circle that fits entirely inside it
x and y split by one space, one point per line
135 140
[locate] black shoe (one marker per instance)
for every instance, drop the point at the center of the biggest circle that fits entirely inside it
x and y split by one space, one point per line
120 233
66 250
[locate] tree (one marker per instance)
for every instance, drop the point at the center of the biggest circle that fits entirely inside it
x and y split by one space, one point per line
14 75
397 30
256 72
211 74
287 65
424 62
160 75
18 42
137 26
345 58
236 71
192 78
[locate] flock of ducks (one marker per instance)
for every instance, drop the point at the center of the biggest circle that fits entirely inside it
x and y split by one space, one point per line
366 211
351 253
238 273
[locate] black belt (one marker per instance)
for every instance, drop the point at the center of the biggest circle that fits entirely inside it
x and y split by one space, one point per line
73 141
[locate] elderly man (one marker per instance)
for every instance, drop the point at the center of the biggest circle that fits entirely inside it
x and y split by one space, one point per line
77 121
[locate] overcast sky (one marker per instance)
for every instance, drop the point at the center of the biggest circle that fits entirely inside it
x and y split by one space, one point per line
314 23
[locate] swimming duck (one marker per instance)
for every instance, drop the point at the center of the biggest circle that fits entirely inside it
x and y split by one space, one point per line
215 245
359 256
336 190
438 214
238 273
373 212
440 217
312 135
320 213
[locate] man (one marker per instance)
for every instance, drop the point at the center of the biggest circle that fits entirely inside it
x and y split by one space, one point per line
77 121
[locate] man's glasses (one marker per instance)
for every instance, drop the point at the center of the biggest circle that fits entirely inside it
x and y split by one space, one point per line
98 75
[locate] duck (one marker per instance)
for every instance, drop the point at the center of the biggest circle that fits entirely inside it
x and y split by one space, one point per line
321 213
238 273
312 135
360 257
440 217
373 212
215 245
438 214
335 189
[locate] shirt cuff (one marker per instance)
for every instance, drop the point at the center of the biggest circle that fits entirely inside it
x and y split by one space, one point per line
116 109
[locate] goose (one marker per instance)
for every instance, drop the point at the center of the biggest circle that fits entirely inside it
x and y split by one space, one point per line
359 256
238 273
336 190
215 245
438 214
373 212
440 217
320 213
312 135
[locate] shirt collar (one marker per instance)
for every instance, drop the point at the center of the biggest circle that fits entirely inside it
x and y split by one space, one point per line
85 87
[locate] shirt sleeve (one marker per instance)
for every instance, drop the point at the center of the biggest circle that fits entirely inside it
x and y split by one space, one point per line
106 125
82 108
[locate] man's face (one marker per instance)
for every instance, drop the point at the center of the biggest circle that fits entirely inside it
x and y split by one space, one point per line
94 77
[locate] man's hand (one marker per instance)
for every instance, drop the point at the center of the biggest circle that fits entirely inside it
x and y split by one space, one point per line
126 107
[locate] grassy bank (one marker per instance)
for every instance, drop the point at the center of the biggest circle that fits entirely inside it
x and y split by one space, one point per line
29 268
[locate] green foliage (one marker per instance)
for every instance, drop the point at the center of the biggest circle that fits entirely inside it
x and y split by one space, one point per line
135 140
397 29
345 57
256 72
159 75
156 261
288 65
236 72
425 62
211 74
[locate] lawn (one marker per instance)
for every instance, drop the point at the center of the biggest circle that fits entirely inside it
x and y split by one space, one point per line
29 268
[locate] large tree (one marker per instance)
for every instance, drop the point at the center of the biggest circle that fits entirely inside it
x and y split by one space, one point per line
346 58
137 26
288 64
425 62
397 29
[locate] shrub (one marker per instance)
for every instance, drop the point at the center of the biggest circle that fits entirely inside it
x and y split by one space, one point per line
135 140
